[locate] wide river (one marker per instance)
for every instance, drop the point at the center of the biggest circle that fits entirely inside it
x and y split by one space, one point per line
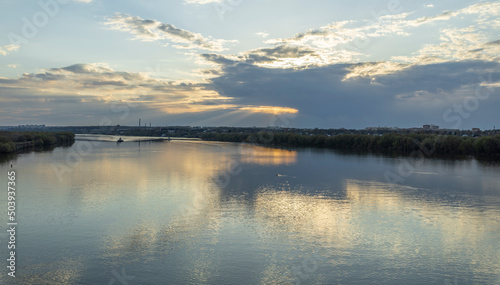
193 212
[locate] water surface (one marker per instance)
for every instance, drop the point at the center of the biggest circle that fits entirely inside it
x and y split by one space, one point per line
192 212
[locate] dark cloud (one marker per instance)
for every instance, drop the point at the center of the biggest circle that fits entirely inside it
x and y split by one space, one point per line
276 53
476 50
285 51
262 55
493 43
44 76
406 97
217 58
447 76
94 76
7 81
170 29
75 68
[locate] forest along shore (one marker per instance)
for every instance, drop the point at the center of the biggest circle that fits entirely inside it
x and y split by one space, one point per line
432 145
12 142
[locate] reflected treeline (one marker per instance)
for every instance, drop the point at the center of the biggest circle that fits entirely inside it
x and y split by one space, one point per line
12 142
6 158
431 145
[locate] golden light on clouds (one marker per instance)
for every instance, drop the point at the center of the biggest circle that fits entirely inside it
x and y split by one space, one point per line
375 69
270 110
192 108
179 108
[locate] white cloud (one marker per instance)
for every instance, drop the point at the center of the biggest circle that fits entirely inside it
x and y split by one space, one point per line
372 69
285 56
152 30
456 45
8 49
262 34
484 11
12 65
348 32
341 41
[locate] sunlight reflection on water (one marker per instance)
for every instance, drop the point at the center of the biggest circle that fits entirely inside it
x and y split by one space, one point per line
155 212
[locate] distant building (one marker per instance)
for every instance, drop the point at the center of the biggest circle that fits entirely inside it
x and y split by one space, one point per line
430 127
476 130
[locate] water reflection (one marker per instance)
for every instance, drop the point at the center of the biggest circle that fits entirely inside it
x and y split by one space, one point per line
157 210
267 156
462 231
313 218
394 224
52 271
7 158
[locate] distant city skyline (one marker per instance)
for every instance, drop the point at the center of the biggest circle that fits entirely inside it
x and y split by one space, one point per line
324 64
425 127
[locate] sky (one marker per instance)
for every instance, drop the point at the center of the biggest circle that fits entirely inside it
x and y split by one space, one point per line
279 63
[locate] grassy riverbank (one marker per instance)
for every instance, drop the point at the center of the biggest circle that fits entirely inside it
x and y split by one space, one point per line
404 144
11 142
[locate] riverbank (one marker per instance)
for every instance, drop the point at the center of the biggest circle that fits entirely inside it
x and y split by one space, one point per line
16 142
431 145
114 138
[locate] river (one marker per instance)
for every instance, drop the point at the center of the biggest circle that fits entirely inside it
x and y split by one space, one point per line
194 212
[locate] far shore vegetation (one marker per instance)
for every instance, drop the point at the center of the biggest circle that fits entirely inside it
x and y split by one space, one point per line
12 142
432 145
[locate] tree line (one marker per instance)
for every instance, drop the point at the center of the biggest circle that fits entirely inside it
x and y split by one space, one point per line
395 143
13 141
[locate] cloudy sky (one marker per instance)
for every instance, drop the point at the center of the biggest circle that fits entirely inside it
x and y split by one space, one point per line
322 63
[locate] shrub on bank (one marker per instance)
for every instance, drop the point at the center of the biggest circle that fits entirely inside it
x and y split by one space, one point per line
6 147
9 140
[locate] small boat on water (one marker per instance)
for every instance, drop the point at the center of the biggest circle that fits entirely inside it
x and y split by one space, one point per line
120 140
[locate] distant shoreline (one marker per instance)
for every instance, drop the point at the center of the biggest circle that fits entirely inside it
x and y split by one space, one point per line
421 145
18 142
114 138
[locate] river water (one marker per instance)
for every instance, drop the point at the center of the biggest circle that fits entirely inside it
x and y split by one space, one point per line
193 212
